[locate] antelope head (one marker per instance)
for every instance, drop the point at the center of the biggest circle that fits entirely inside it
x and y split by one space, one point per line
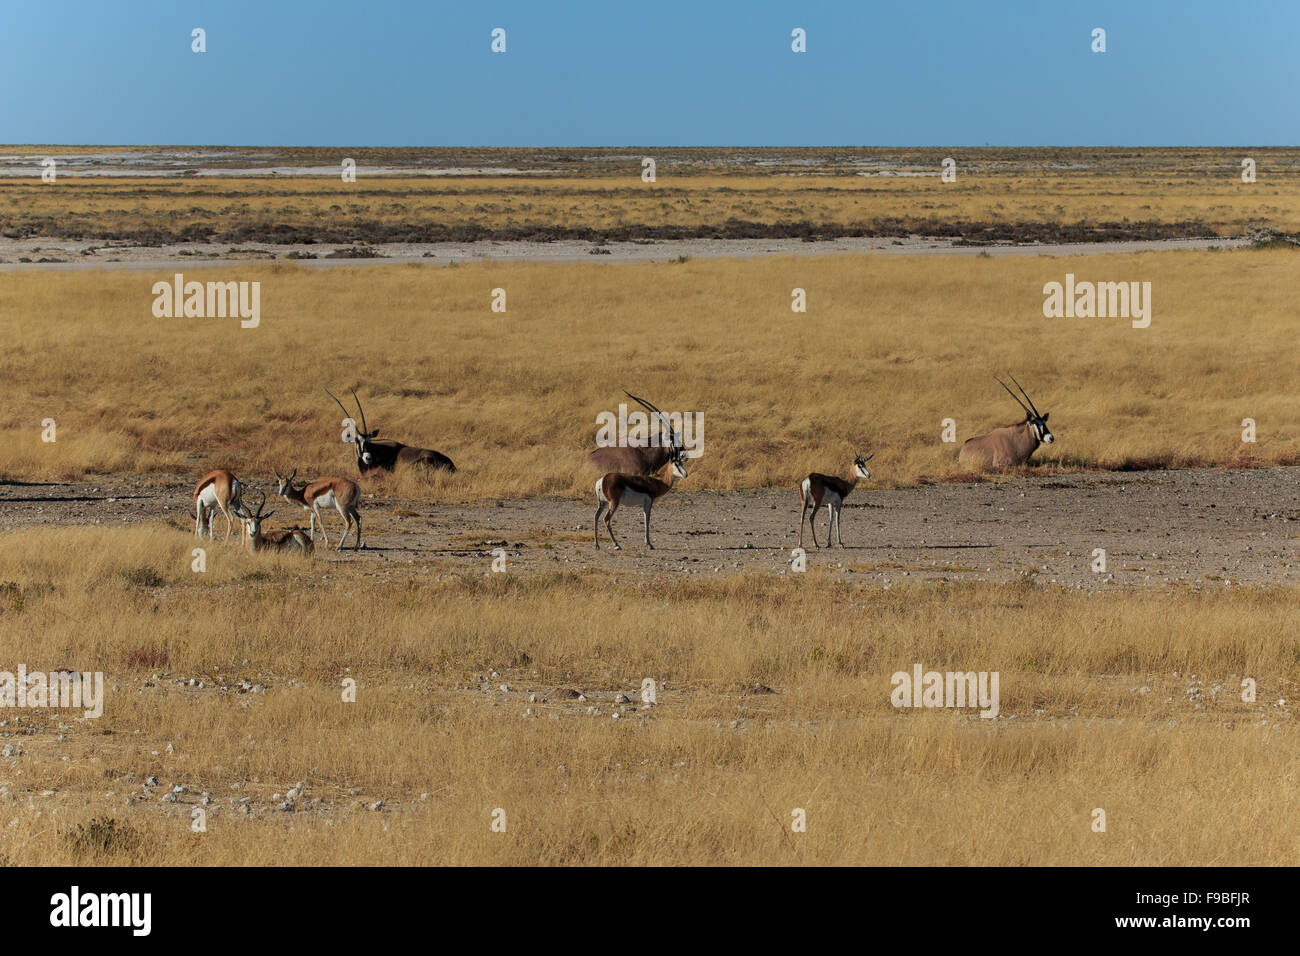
363 436
1037 422
860 466
286 484
253 520
679 464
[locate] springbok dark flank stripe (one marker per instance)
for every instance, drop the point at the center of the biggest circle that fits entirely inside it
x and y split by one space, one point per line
818 489
614 489
342 494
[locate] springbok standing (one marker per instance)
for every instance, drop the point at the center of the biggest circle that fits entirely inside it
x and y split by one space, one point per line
614 489
1010 445
627 460
817 490
384 453
286 539
217 491
342 493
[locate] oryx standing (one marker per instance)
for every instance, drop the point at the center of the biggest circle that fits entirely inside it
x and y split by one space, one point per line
1010 445
342 494
613 490
817 490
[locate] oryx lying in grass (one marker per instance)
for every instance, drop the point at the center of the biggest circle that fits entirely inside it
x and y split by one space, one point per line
1010 445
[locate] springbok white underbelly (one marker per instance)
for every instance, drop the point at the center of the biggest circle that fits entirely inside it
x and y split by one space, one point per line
637 498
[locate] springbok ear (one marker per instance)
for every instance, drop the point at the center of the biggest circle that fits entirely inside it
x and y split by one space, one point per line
277 475
373 433
1045 417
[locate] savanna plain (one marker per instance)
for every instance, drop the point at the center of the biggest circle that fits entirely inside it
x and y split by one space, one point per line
499 717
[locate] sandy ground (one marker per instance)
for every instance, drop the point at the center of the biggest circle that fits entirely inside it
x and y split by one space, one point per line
1209 528
68 254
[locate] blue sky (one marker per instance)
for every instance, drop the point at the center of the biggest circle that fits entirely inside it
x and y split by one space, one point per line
663 73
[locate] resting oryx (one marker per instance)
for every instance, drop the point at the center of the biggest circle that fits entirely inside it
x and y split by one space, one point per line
385 453
1010 445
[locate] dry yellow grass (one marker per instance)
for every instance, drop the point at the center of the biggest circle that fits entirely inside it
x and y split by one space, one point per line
711 776
889 348
1207 193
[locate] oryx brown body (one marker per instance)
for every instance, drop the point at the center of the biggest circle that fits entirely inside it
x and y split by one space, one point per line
1010 445
630 461
343 494
1004 447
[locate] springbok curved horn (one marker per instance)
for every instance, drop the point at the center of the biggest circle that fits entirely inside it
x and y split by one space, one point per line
869 457
672 432
1027 398
364 427
1013 394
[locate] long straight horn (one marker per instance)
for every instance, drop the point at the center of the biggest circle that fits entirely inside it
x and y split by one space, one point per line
364 427
1013 394
346 413
672 432
1027 398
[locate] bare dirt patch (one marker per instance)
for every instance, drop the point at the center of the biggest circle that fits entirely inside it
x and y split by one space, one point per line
1210 527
